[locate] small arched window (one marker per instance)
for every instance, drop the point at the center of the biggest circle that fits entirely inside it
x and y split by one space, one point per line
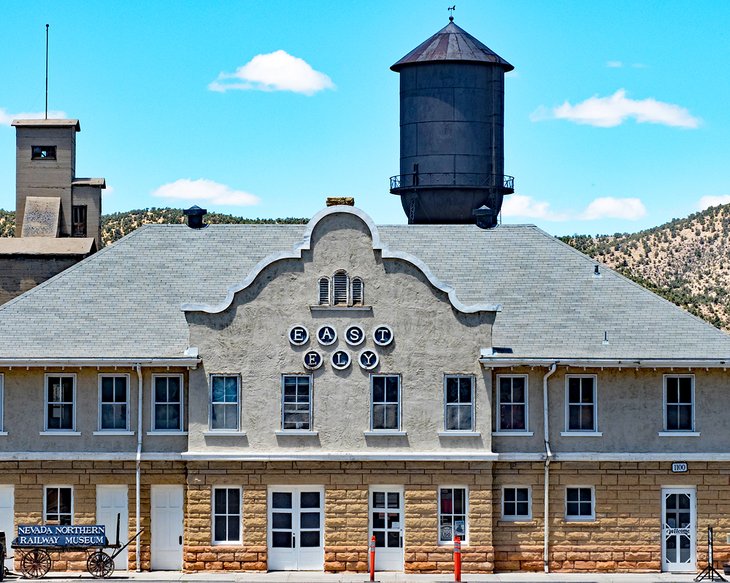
324 291
358 297
340 283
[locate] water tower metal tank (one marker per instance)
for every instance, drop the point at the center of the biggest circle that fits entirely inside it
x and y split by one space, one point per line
451 130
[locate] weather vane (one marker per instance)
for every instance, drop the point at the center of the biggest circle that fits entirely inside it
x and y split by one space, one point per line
451 13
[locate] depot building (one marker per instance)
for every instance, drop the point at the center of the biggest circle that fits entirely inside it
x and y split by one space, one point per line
270 397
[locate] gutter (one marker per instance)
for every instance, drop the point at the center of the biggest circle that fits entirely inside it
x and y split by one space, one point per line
128 362
138 468
489 360
548 458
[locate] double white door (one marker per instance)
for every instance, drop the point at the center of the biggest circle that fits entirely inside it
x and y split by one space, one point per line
386 525
679 530
7 525
112 501
296 528
167 528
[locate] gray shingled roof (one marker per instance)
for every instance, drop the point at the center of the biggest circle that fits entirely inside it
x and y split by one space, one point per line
124 302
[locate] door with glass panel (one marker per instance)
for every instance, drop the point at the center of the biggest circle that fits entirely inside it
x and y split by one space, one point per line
679 528
296 528
386 525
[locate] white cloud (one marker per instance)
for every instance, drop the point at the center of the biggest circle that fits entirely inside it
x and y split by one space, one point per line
203 190
520 205
609 207
614 64
7 118
708 201
615 109
277 71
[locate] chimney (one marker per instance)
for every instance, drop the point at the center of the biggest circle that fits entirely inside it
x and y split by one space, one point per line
340 200
195 216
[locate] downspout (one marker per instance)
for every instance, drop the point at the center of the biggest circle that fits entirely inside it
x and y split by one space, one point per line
548 457
138 472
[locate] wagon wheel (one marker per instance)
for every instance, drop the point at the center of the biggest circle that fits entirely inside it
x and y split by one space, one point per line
100 565
35 563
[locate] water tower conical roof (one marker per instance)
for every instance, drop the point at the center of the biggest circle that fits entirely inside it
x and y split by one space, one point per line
452 43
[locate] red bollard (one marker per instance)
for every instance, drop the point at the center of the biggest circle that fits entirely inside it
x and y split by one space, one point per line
372 558
457 559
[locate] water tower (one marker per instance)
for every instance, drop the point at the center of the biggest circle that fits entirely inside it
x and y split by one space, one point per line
452 131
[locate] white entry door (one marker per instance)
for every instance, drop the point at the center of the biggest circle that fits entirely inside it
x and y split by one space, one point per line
386 524
7 517
112 501
679 530
167 528
296 528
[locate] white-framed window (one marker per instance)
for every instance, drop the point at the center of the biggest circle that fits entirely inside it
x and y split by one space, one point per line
453 513
227 510
458 403
2 403
581 403
385 409
225 399
58 504
679 398
113 402
296 403
167 403
323 291
512 403
357 291
60 400
580 503
516 503
340 290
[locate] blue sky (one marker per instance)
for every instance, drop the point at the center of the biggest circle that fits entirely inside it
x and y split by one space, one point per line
616 113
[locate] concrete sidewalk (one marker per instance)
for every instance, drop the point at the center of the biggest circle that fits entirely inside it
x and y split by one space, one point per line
319 577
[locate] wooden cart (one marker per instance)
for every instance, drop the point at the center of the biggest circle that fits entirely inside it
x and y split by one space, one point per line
36 543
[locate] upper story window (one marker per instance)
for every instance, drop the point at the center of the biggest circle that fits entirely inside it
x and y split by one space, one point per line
113 403
385 402
167 403
341 290
459 403
512 403
78 221
679 392
225 410
58 505
581 405
2 403
43 152
60 402
296 406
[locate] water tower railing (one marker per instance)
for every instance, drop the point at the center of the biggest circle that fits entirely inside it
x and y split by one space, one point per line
452 179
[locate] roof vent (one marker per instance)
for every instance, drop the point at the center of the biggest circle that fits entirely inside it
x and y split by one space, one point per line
485 216
195 216
340 200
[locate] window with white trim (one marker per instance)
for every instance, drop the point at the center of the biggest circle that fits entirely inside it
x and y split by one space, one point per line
296 406
113 402
357 291
385 402
580 503
2 403
58 505
324 291
516 503
60 402
512 403
225 410
340 290
226 515
167 405
453 512
581 405
679 402
458 403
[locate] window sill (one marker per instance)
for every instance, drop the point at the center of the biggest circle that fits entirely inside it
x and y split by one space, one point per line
581 519
318 308
513 433
227 543
167 433
297 432
58 433
460 433
385 433
519 520
464 543
581 434
111 433
678 434
224 434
